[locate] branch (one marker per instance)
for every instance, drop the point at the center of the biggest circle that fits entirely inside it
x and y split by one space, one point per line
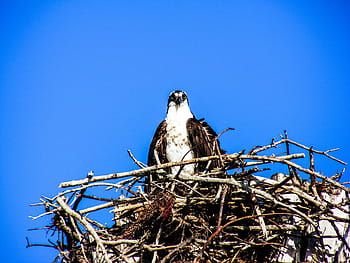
142 172
137 162
87 226
95 208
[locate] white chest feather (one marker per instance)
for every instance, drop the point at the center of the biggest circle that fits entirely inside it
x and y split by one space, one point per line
178 145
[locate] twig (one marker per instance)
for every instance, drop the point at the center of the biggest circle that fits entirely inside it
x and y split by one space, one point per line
131 207
292 171
155 252
82 191
284 140
43 214
96 208
325 153
138 163
222 202
177 249
313 177
87 226
307 171
38 245
120 241
273 144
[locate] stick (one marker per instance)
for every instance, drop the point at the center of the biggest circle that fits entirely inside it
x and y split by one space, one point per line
138 163
87 226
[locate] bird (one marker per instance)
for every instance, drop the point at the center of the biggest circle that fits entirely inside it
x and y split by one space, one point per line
179 137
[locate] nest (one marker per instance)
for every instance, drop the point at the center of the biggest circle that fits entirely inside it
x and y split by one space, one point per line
256 207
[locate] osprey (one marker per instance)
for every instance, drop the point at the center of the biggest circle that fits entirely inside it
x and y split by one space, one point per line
180 136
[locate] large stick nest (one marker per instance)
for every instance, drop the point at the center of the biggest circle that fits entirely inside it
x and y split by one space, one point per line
230 214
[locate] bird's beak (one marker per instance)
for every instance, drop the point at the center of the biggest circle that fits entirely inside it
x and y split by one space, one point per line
178 100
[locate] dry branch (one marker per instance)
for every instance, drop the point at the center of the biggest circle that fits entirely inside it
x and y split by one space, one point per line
142 172
88 227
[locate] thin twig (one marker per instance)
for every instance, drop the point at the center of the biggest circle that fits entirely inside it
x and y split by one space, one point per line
87 226
138 163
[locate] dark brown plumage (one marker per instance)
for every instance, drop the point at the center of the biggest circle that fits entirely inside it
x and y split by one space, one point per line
203 141
158 146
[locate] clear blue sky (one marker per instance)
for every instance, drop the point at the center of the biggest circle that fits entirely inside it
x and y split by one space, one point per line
83 81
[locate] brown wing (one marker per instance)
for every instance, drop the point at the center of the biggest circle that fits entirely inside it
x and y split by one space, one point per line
202 139
157 149
156 153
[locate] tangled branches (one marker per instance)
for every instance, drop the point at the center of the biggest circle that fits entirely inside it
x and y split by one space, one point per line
230 214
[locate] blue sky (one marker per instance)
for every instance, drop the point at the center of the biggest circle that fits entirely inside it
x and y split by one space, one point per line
83 81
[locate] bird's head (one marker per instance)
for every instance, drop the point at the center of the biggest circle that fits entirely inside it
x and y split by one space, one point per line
177 98
178 108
